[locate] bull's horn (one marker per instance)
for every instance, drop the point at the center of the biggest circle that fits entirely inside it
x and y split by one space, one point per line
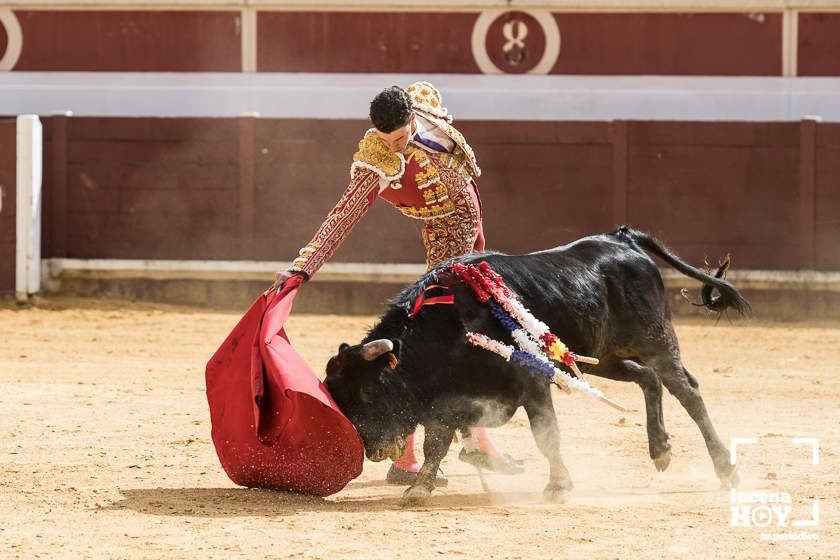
376 348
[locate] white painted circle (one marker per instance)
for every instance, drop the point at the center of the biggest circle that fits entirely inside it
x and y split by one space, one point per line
14 39
543 17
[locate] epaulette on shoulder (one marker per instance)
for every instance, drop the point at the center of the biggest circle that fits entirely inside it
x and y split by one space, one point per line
375 155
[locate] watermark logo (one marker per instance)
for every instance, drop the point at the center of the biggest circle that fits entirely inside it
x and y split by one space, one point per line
774 510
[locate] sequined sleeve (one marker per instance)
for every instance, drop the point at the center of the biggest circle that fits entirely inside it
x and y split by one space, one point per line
354 203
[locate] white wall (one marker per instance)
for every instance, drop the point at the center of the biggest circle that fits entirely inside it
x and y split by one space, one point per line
473 97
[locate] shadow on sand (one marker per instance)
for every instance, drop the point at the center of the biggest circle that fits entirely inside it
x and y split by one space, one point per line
235 502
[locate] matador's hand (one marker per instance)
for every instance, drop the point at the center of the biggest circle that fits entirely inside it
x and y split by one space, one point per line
280 279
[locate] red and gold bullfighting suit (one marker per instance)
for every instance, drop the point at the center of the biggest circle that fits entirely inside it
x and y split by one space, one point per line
432 181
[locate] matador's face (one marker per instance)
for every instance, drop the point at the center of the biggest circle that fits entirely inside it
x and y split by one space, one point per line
397 140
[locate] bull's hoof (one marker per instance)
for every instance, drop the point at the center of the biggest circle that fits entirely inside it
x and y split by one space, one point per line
557 492
400 477
416 496
729 479
662 461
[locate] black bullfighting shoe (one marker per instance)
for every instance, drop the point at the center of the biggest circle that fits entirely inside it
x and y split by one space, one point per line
400 477
503 464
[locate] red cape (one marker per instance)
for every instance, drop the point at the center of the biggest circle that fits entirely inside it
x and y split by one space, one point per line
274 424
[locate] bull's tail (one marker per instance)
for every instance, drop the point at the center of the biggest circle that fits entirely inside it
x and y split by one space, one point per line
727 295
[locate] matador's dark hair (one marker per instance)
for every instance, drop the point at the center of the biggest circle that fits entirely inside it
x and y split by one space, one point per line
390 109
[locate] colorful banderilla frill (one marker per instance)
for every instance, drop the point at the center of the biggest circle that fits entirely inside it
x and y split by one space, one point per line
537 345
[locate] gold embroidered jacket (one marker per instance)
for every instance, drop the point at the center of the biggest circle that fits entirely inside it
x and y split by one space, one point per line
427 194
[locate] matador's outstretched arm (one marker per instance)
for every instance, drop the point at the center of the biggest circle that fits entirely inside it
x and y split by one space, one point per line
354 203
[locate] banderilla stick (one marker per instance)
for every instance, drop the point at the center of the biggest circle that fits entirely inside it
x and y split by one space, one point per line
579 374
588 360
613 404
577 371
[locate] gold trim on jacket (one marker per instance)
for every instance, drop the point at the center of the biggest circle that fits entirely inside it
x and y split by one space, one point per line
375 155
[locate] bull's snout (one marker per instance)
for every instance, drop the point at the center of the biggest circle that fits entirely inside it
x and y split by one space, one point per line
393 452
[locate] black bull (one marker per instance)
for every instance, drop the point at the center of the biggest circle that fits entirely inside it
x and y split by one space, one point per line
602 295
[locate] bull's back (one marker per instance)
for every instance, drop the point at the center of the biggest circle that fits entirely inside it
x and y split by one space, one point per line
584 289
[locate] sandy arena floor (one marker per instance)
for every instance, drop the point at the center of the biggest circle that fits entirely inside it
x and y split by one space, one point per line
106 453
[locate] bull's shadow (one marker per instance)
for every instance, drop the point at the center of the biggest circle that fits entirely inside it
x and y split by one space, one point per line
247 502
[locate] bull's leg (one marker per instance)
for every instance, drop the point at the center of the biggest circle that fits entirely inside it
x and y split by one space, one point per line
547 435
684 387
613 367
435 445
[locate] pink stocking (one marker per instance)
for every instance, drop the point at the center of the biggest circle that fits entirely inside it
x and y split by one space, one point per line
408 462
485 443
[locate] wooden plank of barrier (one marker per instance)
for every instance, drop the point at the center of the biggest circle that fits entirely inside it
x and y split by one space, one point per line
59 183
807 191
246 184
618 136
8 204
28 202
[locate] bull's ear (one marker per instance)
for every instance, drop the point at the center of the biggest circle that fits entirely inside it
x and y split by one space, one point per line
334 363
332 367
394 355
397 347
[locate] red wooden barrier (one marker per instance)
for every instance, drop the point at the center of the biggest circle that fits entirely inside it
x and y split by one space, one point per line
222 188
8 154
